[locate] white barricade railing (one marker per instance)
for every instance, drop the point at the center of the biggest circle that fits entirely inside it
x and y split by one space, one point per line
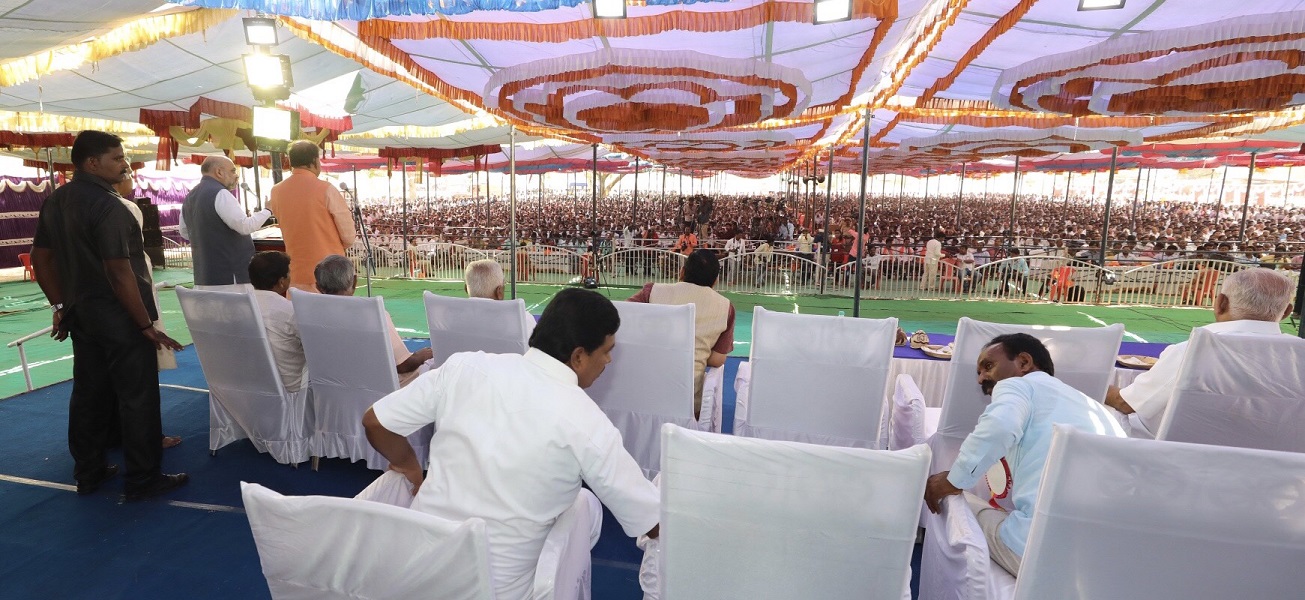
637 266
22 354
544 264
177 255
773 273
1183 282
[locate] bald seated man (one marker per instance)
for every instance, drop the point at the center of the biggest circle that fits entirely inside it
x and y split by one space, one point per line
484 279
218 228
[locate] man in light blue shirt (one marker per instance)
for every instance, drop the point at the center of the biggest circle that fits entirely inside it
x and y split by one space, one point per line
1016 370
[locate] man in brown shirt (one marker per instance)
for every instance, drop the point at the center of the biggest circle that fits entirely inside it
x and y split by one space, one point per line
315 222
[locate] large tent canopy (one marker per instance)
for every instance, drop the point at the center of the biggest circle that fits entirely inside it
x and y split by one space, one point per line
751 87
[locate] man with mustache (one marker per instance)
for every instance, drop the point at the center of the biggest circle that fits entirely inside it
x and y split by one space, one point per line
1016 371
90 263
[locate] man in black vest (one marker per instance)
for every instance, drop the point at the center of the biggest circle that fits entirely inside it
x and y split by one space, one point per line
217 227
90 263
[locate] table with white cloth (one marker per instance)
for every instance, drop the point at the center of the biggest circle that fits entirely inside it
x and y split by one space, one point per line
930 373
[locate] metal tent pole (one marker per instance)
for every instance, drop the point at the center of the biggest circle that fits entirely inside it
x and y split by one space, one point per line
593 217
829 232
960 193
1014 194
1246 203
634 217
1286 190
1137 191
1218 207
512 208
1110 188
860 218
403 189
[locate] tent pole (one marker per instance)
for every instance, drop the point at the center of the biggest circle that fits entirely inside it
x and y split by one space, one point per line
1286 189
634 217
1218 207
593 217
960 193
829 232
860 218
403 189
1014 195
1110 188
1246 203
1069 179
1137 191
512 208
258 184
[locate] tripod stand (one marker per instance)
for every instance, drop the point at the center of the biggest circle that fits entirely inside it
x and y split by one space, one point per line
362 228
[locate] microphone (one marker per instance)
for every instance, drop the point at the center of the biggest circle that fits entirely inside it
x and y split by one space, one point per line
245 186
344 187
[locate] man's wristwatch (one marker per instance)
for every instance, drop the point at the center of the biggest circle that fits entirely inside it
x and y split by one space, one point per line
54 308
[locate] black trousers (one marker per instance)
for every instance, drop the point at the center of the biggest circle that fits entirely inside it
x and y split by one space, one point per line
113 364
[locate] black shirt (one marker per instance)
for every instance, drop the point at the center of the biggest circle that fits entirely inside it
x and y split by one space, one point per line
85 223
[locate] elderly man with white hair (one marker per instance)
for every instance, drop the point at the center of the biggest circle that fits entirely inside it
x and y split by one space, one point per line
1251 302
335 275
484 279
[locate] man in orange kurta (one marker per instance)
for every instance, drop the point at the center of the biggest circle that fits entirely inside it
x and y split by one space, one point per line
315 222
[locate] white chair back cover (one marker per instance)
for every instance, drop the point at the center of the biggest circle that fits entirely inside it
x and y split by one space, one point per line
1084 358
751 518
350 366
907 426
954 561
370 549
1246 391
474 325
564 569
246 396
650 379
1131 519
817 379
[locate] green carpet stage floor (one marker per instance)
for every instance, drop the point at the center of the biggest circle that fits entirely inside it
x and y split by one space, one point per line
23 310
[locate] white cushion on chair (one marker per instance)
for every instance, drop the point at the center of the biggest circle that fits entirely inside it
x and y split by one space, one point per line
475 325
246 396
350 366
908 417
1129 518
752 518
369 549
1246 391
713 389
817 379
954 561
650 379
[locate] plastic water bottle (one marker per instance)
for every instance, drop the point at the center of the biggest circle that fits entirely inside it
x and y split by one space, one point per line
841 313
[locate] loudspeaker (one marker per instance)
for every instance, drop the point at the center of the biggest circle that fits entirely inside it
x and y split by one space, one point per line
150 231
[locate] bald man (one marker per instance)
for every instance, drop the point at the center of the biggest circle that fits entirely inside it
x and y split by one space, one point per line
218 229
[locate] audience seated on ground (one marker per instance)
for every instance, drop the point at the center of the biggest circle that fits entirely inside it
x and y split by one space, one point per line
484 279
713 313
516 436
269 273
1017 372
1251 302
335 275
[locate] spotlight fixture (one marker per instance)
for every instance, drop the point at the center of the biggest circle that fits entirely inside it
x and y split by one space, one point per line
260 31
275 128
609 9
269 76
832 11
1100 4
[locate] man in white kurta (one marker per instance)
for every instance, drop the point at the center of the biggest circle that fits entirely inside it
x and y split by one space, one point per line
514 438
1251 302
1027 400
269 273
932 256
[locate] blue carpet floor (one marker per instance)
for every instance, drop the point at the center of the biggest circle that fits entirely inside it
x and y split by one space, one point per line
194 543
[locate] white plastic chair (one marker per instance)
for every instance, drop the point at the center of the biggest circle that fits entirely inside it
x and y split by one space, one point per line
752 518
475 325
350 366
1084 358
1133 519
563 572
650 379
1239 390
816 379
366 549
246 396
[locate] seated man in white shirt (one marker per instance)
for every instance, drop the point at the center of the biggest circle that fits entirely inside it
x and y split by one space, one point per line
1016 370
515 436
269 273
1251 302
335 275
484 279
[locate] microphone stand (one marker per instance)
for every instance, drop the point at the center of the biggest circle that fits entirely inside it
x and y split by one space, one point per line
362 227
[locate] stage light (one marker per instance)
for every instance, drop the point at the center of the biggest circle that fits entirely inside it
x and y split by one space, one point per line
609 9
275 128
260 31
831 11
269 76
1100 4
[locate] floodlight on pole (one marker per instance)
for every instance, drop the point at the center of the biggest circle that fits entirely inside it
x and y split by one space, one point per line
260 31
268 75
609 9
1100 4
832 11
274 128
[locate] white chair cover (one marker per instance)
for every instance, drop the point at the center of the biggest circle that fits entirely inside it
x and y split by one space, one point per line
751 518
650 379
1239 390
907 426
1084 358
1132 519
474 325
350 366
954 560
246 397
369 549
713 400
816 379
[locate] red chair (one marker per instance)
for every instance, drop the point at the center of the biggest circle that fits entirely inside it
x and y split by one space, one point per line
28 273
